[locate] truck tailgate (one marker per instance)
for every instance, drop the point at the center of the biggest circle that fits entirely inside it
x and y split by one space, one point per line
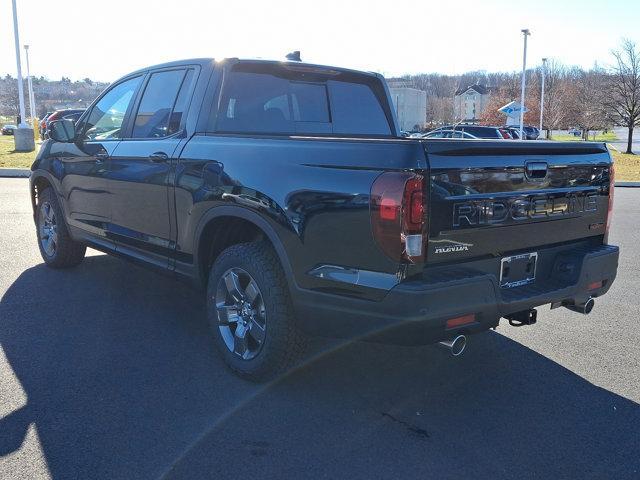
490 198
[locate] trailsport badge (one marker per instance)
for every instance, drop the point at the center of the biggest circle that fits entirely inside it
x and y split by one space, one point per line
450 246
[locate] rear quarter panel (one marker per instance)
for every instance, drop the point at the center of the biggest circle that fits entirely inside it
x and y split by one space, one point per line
313 191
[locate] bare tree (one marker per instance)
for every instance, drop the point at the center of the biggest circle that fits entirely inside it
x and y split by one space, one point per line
440 110
584 99
623 94
498 98
555 94
508 92
9 96
588 99
511 86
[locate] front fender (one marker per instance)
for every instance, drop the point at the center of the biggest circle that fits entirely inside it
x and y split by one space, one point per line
39 178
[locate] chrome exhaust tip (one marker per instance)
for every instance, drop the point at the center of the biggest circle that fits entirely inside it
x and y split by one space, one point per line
584 308
456 346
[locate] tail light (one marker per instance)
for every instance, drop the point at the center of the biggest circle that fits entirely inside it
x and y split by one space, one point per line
610 209
398 215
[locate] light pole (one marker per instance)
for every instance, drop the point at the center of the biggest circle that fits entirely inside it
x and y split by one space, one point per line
23 135
525 33
32 104
23 124
544 74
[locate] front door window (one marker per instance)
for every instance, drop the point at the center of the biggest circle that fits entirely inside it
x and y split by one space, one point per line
105 120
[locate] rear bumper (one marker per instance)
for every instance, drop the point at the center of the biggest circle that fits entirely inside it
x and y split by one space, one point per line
415 312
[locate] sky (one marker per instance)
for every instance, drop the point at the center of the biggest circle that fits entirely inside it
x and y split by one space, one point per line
107 39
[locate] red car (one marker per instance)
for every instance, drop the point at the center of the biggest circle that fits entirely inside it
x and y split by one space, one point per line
72 113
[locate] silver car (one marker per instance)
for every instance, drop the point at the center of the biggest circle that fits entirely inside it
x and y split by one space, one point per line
449 134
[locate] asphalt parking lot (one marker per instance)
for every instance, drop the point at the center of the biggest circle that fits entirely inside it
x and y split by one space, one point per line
108 371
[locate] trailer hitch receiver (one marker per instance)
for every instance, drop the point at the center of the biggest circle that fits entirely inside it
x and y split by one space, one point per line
524 317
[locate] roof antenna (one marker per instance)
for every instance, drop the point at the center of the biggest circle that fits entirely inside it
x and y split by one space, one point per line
294 56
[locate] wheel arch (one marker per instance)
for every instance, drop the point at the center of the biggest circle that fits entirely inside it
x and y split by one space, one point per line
38 182
255 227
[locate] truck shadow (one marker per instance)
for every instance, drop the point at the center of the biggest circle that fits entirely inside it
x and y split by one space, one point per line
121 381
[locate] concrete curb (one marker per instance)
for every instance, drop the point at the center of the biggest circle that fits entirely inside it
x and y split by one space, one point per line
15 172
610 145
628 184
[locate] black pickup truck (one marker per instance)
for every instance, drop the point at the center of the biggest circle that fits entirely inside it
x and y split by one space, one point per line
284 191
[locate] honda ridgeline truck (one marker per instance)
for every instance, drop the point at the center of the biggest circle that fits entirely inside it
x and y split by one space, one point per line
284 191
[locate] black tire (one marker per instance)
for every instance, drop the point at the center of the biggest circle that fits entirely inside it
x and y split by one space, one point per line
283 344
64 252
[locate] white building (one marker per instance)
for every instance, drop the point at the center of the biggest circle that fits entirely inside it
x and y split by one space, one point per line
411 107
470 102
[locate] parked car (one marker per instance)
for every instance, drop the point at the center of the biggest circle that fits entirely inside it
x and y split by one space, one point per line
298 215
67 113
42 125
448 134
8 129
528 132
73 115
479 131
514 132
576 132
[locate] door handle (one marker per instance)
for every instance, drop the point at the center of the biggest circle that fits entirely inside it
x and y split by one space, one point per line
158 157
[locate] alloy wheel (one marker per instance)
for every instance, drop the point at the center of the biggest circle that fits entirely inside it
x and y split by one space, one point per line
241 313
48 229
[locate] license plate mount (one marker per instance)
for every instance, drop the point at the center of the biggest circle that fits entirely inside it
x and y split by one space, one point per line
518 270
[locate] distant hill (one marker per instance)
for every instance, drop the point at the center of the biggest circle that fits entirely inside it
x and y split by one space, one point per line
49 94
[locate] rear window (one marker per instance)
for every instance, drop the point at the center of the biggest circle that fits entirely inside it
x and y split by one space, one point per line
356 110
272 99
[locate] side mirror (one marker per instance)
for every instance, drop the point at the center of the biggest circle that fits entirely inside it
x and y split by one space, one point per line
62 130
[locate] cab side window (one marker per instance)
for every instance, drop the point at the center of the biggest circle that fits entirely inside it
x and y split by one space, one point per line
105 120
154 118
182 102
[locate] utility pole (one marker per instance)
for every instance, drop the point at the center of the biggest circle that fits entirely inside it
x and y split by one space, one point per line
23 124
544 74
525 33
23 135
32 104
